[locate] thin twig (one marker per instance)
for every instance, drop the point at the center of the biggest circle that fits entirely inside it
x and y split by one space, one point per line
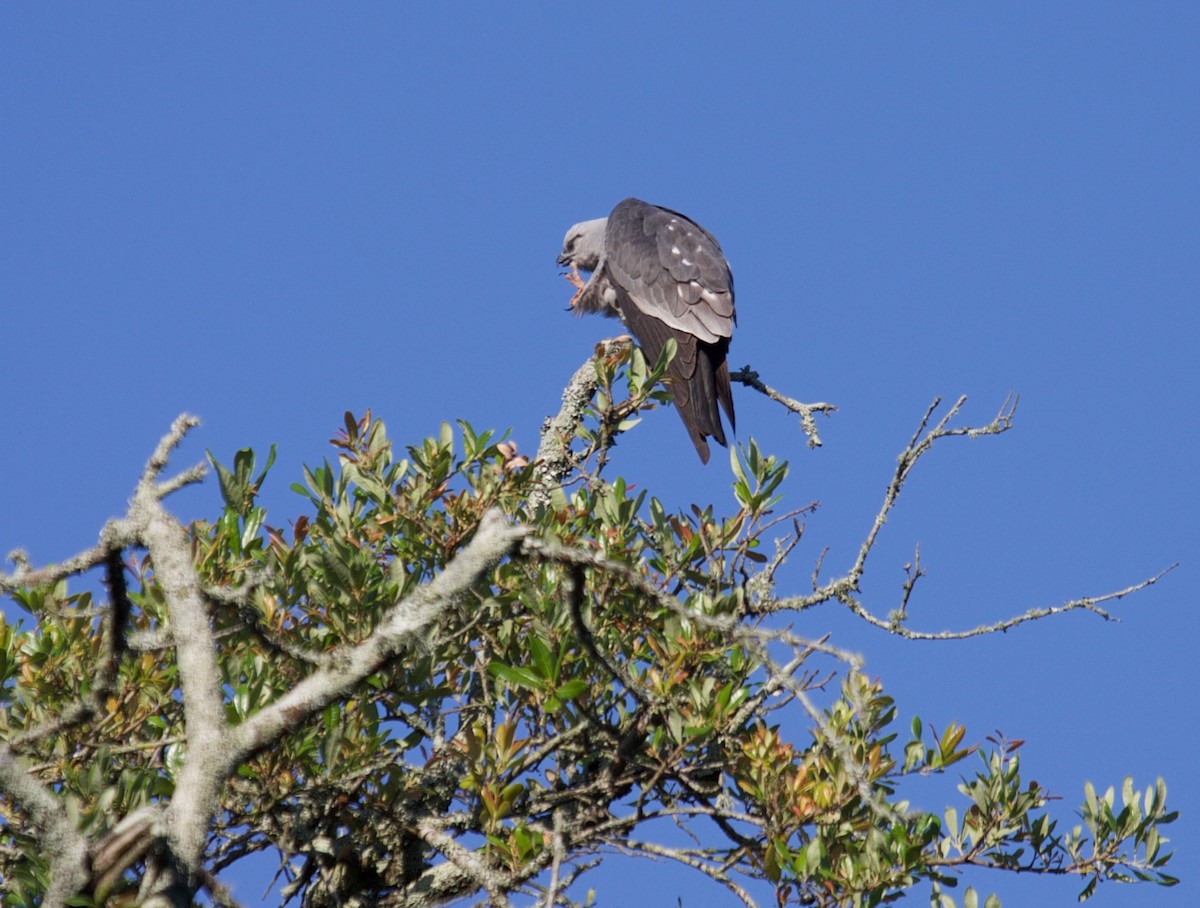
845 588
688 858
747 376
1088 603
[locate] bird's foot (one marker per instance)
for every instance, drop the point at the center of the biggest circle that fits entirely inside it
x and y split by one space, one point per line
575 280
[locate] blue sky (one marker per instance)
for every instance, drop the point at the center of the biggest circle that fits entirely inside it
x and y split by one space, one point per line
270 215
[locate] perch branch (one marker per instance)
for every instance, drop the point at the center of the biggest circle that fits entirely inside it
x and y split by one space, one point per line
555 461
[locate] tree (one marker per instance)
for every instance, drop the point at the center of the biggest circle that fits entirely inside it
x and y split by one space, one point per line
465 674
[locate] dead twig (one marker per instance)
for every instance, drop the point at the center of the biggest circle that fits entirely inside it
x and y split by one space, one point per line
749 377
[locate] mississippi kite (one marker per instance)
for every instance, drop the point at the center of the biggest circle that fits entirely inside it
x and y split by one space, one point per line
664 276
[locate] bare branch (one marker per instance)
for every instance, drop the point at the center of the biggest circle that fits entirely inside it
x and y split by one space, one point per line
162 455
116 534
221 894
916 449
118 610
688 858
190 476
23 576
747 376
845 588
912 573
1088 603
558 848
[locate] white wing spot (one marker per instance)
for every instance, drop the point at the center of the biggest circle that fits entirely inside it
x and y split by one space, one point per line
688 262
675 250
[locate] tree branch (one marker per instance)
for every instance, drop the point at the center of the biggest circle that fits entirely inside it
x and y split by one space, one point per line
845 588
493 881
748 377
404 623
555 461
689 859
1088 603
916 449
199 784
65 847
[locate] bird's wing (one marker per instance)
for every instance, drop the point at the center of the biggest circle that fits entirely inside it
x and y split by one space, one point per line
672 268
699 375
672 280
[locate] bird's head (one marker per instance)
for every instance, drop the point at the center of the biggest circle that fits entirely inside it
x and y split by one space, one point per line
583 246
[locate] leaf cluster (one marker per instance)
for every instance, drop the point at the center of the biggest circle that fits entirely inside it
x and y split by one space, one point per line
607 676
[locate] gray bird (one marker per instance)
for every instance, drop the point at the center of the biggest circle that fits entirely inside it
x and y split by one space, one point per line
664 276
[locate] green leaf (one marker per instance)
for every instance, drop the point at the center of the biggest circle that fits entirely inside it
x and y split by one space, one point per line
572 689
669 350
521 677
735 464
543 660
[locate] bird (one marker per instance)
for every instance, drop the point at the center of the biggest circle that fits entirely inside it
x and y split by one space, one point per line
664 276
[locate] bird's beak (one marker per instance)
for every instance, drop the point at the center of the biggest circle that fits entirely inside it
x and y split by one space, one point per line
564 259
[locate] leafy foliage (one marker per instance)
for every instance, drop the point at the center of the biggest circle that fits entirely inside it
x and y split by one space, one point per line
606 676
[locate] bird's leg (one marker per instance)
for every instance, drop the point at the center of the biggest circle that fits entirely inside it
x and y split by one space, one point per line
574 279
